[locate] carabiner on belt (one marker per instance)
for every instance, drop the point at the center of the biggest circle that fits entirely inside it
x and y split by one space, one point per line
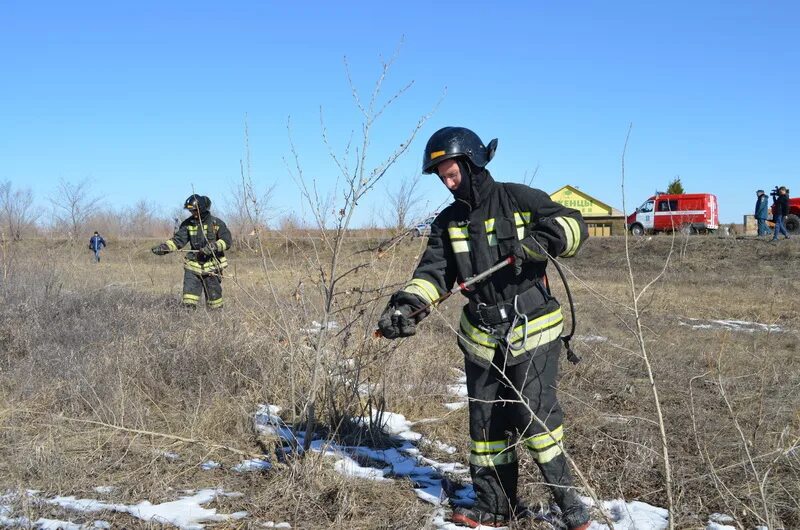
518 316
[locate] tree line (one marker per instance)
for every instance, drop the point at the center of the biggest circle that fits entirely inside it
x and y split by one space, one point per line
74 211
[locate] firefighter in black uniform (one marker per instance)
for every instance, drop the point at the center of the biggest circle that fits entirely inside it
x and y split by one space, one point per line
510 329
209 238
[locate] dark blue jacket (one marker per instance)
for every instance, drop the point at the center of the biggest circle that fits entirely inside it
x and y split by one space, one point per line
762 206
782 205
96 243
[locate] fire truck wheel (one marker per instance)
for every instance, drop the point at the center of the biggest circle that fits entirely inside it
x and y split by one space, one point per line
792 223
637 230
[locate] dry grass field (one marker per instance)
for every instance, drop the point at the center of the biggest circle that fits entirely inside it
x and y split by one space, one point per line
103 377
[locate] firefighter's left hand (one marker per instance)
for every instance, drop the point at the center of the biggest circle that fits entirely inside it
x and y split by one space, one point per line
209 250
523 253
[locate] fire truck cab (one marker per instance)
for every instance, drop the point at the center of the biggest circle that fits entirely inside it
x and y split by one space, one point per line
689 212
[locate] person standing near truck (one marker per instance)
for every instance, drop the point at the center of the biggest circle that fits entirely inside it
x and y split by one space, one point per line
781 210
762 212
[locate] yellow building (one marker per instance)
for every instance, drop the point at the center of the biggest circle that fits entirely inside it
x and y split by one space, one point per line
602 219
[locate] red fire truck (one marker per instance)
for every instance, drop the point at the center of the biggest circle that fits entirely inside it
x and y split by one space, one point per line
690 212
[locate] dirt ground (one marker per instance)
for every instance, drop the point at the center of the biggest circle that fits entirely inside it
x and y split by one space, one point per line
101 373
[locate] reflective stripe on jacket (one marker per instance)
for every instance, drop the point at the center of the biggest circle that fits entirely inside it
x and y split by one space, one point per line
214 231
467 239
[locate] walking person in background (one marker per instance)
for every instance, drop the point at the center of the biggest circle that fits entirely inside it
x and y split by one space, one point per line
96 242
762 212
780 211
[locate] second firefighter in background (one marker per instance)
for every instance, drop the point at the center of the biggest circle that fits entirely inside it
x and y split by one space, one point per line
510 328
209 238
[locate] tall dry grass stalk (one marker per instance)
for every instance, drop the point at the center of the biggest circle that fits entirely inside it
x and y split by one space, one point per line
635 297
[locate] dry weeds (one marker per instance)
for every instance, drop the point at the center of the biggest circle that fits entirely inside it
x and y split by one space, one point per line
108 343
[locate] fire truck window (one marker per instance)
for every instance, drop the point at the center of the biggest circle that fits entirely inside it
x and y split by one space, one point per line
646 207
668 206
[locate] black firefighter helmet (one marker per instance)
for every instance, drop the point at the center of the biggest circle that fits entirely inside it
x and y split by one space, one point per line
197 204
452 142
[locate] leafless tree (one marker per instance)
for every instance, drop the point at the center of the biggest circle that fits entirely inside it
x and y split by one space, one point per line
249 209
16 208
402 201
73 204
354 180
142 219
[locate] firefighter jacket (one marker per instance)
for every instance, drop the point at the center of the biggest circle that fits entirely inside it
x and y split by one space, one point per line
198 233
513 312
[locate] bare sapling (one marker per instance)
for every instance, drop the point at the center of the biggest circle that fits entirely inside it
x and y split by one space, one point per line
354 179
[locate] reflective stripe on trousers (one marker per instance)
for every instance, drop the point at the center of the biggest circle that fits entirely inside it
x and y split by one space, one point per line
495 408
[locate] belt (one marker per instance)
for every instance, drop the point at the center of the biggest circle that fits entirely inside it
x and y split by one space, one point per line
526 302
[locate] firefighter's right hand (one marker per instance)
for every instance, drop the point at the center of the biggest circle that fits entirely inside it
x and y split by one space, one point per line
394 322
160 250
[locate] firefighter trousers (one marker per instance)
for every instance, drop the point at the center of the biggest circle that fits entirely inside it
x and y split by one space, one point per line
195 285
501 399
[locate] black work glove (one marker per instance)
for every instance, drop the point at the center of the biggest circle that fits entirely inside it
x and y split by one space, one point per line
209 250
160 250
396 321
533 254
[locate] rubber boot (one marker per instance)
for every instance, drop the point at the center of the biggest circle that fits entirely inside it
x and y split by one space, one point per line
556 474
495 488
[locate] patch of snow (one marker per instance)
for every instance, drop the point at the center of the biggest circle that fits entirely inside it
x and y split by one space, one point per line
439 446
253 464
717 526
459 390
316 327
349 467
591 338
267 421
208 465
85 505
630 515
55 524
270 524
731 325
185 513
403 461
720 518
169 455
104 489
392 423
366 389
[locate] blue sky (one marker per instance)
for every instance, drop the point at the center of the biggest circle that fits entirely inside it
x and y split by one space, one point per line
148 99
